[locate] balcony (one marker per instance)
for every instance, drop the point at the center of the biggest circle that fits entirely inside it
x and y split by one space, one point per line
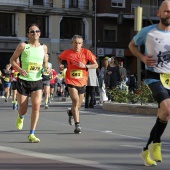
26 3
14 3
40 3
80 5
33 6
149 11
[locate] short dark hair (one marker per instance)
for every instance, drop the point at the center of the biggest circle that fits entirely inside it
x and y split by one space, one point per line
30 25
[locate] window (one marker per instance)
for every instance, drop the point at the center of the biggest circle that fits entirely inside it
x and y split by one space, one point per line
109 36
118 3
73 3
38 2
42 21
70 27
7 24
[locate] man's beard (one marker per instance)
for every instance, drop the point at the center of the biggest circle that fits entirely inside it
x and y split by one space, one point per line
165 21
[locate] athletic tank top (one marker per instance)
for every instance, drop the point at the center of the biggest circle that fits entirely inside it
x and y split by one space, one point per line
45 75
31 60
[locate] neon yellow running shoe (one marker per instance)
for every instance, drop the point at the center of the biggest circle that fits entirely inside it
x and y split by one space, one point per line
19 123
146 158
33 139
155 151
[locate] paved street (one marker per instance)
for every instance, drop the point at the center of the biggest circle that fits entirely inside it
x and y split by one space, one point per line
109 141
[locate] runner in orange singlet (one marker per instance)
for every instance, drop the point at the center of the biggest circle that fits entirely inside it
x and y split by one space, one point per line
76 76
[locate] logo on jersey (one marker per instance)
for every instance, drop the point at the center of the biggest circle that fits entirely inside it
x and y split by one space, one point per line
27 53
163 58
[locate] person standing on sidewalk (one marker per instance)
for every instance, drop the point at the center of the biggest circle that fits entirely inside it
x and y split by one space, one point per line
33 57
90 88
157 61
76 76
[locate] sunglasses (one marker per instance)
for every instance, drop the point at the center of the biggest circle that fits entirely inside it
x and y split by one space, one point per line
34 31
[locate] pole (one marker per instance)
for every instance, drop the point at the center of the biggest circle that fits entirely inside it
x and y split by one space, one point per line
95 27
137 27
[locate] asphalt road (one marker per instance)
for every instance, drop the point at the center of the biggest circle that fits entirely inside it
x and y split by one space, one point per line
109 141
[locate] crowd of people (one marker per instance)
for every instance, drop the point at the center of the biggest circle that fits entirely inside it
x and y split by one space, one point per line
32 76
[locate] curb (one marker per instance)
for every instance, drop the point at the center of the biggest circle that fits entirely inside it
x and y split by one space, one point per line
131 108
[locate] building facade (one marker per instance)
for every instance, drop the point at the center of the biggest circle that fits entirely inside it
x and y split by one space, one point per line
115 28
59 20
104 30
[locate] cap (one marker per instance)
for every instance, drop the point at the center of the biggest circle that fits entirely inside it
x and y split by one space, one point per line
106 58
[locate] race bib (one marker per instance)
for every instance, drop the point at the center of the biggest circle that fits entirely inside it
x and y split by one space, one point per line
34 67
6 79
45 73
16 74
76 74
165 79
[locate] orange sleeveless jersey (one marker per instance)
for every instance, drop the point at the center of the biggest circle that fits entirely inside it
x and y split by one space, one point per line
77 76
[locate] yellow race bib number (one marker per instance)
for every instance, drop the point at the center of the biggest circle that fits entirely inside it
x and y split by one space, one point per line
165 79
34 67
76 74
6 79
16 74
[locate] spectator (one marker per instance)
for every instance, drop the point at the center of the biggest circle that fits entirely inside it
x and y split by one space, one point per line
102 81
90 88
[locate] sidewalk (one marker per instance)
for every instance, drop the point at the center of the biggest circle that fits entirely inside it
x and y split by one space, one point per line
150 109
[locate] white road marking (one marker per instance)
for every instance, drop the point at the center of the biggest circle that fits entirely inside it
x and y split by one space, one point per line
65 159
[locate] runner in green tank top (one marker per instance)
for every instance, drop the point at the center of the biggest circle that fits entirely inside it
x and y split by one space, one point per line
33 57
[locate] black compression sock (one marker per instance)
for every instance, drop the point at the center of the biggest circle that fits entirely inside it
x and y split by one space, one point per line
70 113
160 127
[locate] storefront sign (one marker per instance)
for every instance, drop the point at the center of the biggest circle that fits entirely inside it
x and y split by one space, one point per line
120 53
100 52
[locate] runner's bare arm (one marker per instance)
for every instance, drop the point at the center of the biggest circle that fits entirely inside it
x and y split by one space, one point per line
92 65
45 64
15 56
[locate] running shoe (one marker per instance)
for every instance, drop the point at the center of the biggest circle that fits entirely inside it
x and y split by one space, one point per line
49 100
19 123
46 106
77 129
155 151
15 107
146 158
33 139
70 119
